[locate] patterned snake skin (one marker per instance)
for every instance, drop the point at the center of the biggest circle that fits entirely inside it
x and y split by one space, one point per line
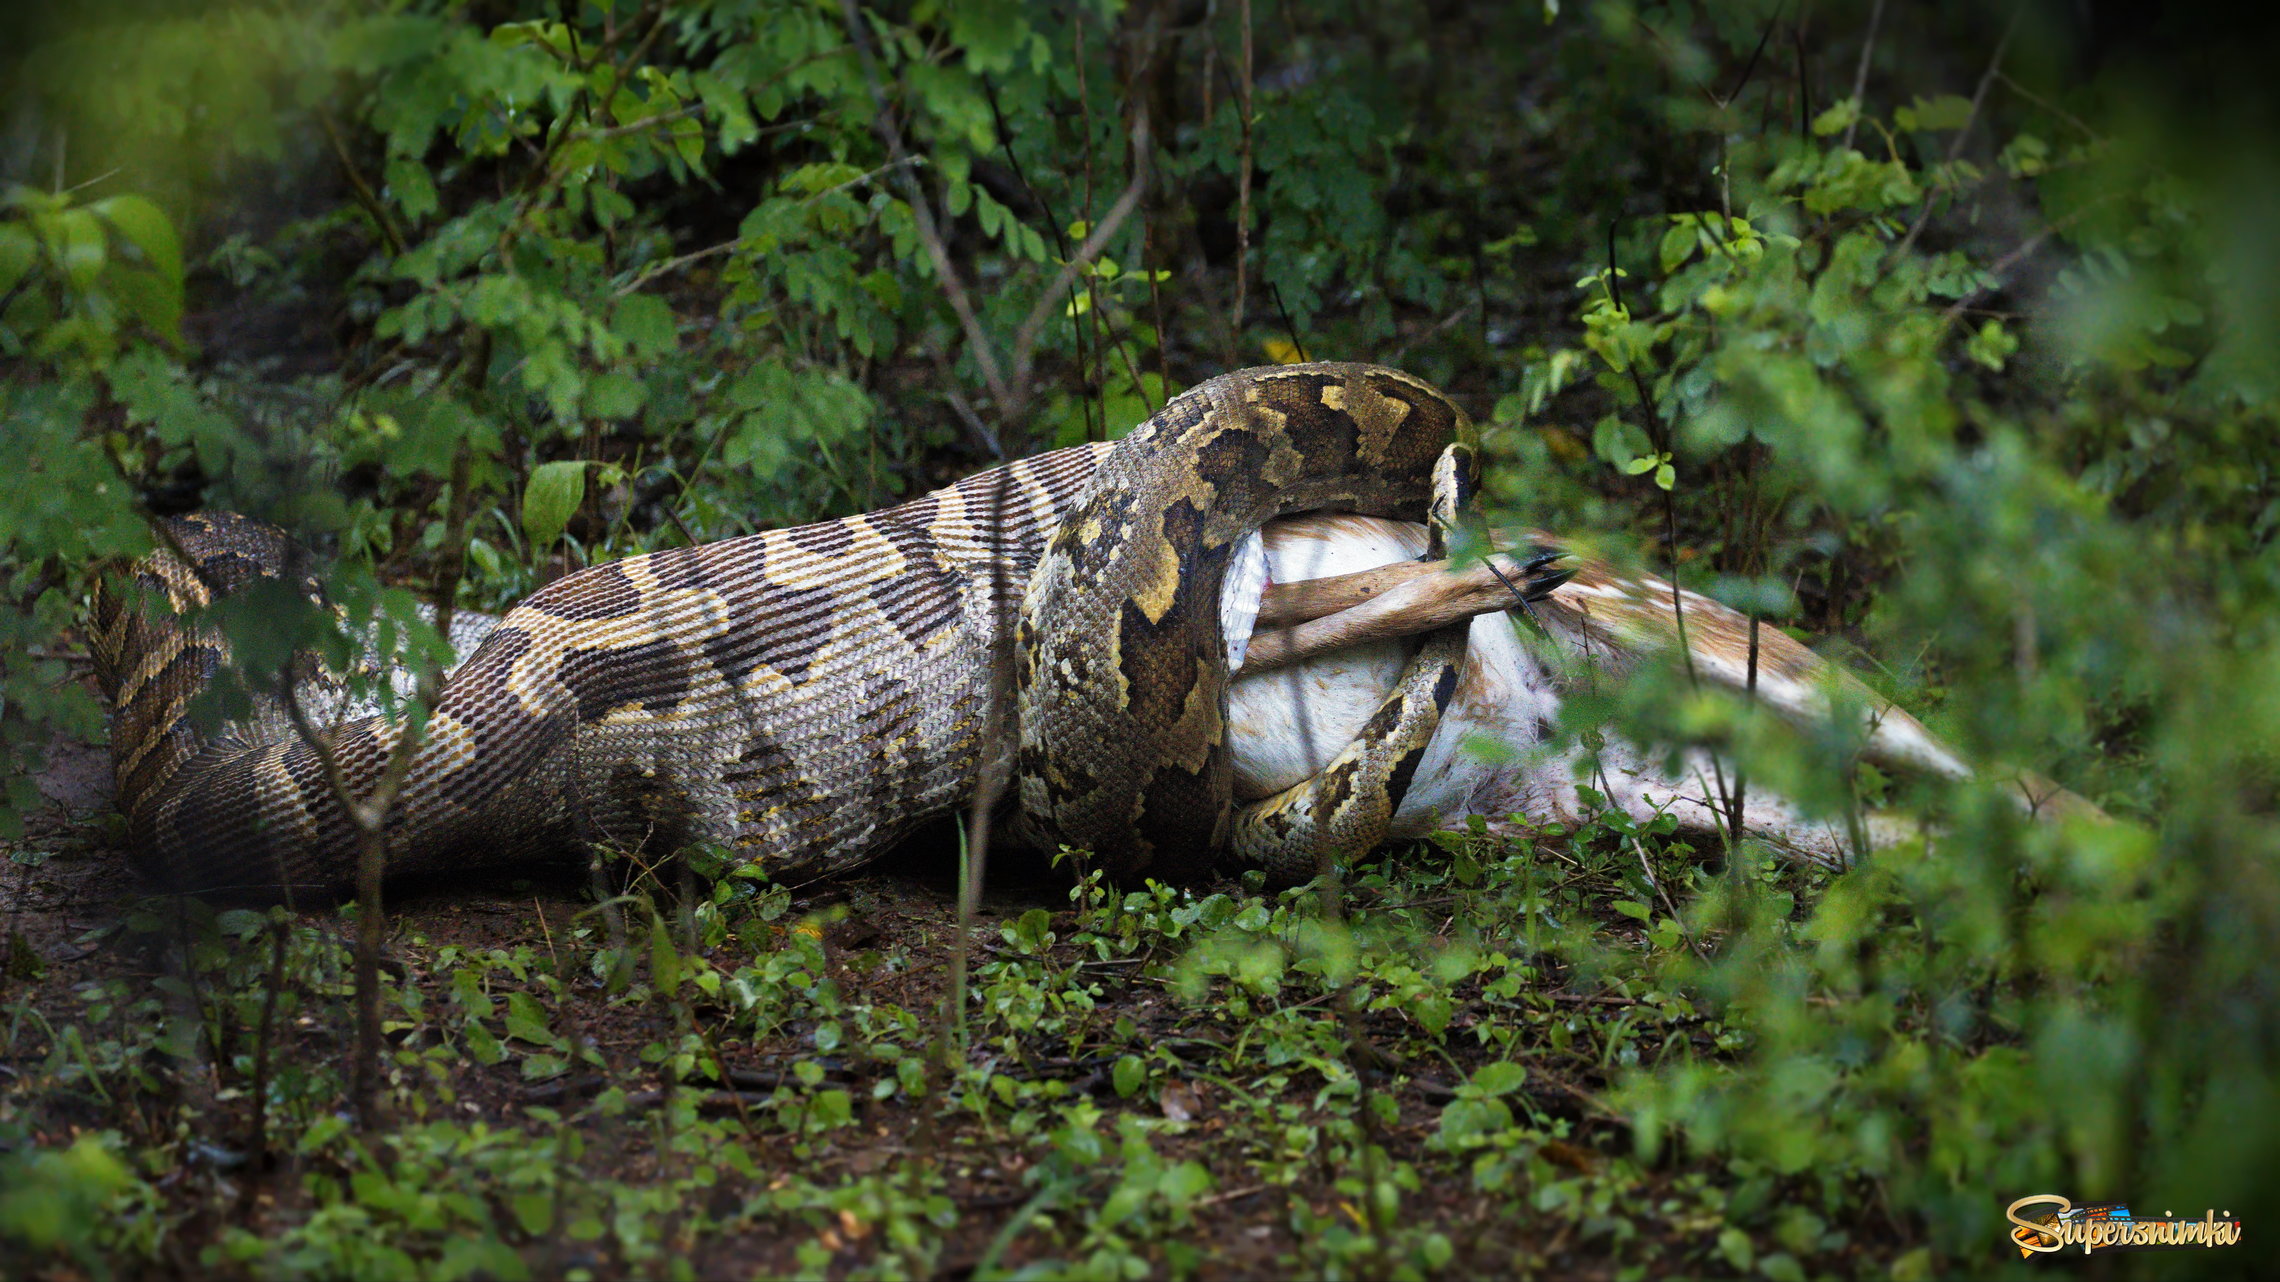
804 696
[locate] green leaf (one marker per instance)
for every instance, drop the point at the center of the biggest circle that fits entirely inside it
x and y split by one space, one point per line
526 1021
830 1108
482 1045
1129 1075
989 31
152 298
1735 1245
147 228
1181 1184
1632 909
615 394
18 251
1679 243
1992 345
75 243
1468 1116
664 959
1948 111
646 324
534 1211
1500 1077
239 923
550 499
1618 442
406 182
327 1128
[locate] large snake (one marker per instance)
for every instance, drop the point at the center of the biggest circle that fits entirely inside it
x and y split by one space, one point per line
804 696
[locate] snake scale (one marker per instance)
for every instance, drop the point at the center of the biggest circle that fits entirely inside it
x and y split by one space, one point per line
804 696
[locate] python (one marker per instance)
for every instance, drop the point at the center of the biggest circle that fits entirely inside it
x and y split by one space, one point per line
803 696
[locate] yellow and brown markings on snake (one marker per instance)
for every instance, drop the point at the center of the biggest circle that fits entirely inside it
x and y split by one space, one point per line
804 693
1123 726
807 693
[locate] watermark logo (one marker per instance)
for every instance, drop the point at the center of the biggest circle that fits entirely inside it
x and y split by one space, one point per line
2046 1223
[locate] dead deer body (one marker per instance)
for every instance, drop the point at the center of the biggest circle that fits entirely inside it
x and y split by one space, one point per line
1328 602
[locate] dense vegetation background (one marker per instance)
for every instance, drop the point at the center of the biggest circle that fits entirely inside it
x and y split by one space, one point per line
1946 340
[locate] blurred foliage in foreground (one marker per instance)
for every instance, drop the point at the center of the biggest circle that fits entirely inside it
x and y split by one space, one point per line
1973 370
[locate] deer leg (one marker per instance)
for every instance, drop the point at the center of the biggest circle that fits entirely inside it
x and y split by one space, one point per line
1300 620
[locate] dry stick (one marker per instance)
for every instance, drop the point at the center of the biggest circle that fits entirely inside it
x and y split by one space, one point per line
1092 281
1012 397
1860 72
1439 327
1290 327
200 1073
1963 134
963 407
990 785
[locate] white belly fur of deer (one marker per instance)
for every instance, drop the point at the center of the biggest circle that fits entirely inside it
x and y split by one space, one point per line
1287 721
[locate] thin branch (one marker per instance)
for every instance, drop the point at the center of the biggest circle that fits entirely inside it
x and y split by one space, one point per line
1025 339
369 816
1804 82
1439 327
965 408
2019 255
1053 225
1750 68
1090 321
1963 134
922 216
654 270
543 175
365 197
1737 804
1155 306
2004 77
1860 72
1243 187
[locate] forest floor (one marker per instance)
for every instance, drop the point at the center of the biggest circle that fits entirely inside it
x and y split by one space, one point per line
743 1079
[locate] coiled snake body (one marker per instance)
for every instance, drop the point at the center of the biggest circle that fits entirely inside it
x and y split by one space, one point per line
803 696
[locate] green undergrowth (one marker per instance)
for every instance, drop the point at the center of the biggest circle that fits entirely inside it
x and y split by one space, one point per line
1140 1082
1943 342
